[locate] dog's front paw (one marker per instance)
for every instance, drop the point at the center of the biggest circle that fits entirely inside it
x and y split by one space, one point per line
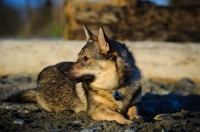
125 122
136 117
133 113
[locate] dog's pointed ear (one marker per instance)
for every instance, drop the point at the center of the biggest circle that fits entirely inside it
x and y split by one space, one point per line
103 41
88 33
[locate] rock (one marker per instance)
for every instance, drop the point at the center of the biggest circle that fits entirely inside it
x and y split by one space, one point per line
185 86
197 129
87 17
133 20
77 122
19 121
86 130
97 127
108 17
164 117
134 124
94 128
186 81
185 122
11 107
160 90
23 111
163 130
176 125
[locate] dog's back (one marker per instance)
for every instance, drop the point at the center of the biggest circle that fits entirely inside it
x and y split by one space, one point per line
55 92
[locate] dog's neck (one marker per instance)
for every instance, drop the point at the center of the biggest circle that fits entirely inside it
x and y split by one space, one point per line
113 80
108 77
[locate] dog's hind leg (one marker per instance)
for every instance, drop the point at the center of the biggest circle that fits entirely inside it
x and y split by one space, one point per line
105 113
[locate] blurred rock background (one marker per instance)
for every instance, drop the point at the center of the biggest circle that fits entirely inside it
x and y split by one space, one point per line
33 34
155 20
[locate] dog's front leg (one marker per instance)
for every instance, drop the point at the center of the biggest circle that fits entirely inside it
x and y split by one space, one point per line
133 113
104 113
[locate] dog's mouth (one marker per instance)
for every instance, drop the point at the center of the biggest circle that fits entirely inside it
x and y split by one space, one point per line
84 78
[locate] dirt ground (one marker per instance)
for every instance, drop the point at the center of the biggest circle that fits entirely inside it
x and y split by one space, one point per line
166 107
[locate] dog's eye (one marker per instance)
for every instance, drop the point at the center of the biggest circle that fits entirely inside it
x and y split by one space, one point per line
85 58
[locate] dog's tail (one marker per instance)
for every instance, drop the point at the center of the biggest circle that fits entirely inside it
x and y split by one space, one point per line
27 96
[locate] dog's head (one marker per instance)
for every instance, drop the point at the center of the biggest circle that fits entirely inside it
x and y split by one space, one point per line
101 61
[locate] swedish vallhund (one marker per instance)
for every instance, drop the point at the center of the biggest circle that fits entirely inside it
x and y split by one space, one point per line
104 81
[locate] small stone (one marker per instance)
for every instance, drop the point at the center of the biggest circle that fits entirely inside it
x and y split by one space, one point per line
129 130
176 125
163 130
163 117
12 107
97 127
135 124
26 111
186 81
54 130
77 122
85 130
197 129
185 122
109 17
19 121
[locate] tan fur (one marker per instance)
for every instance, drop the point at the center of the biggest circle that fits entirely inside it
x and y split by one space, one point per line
107 72
133 112
29 95
102 103
103 113
24 96
82 97
43 104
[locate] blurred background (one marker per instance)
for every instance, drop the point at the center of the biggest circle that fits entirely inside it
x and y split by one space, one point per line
167 34
138 20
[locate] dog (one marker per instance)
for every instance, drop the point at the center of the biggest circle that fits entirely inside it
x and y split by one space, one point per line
104 81
114 90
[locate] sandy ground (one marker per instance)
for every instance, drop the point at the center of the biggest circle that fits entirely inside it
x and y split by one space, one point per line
166 107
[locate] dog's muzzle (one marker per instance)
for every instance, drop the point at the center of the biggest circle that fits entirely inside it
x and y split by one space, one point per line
83 78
